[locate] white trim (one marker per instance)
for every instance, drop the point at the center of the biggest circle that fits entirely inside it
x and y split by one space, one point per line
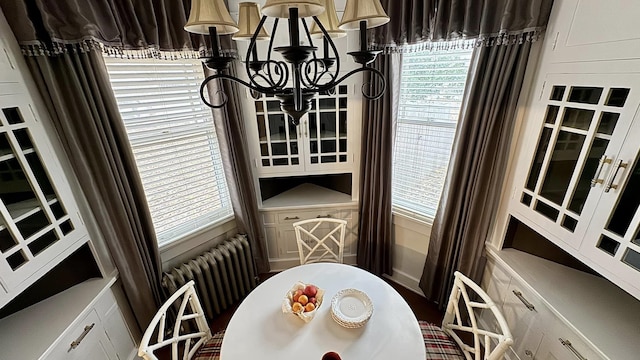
412 216
196 238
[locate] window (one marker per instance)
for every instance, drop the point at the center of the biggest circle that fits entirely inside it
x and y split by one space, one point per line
174 142
432 85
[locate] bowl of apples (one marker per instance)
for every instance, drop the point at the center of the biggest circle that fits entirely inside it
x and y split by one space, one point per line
303 300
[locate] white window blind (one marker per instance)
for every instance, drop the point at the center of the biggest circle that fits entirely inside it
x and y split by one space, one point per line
174 142
432 85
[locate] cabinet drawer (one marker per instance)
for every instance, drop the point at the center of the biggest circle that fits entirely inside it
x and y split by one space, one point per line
84 341
290 217
495 282
569 344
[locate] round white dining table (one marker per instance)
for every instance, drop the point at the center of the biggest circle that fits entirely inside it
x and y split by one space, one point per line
260 330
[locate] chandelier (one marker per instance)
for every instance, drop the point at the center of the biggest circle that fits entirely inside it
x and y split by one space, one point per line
303 72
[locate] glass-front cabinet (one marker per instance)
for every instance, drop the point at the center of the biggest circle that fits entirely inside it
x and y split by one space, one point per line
36 223
580 184
584 121
322 140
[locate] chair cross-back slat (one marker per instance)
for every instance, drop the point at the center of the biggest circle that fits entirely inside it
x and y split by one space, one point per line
188 300
321 233
454 321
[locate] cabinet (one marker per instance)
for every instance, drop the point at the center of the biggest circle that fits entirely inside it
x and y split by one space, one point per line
592 30
326 140
575 313
306 201
576 184
82 322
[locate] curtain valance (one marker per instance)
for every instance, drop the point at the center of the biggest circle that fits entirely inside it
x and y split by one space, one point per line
423 24
140 28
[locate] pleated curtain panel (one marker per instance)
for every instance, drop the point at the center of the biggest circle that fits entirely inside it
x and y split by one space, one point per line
501 32
63 41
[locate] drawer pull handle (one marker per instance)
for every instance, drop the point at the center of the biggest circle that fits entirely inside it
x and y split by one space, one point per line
292 218
328 216
526 303
596 178
77 341
567 344
610 184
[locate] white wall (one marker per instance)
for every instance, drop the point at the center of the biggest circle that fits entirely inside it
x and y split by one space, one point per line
410 252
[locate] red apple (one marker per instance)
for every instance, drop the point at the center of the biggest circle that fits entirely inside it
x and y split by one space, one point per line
311 290
312 300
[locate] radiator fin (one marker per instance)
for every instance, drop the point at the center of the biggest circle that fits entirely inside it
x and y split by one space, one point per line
223 275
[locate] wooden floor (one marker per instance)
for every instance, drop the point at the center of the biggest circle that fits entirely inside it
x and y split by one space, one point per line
423 309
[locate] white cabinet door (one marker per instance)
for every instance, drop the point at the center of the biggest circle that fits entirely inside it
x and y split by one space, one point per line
613 239
38 217
9 72
581 122
325 141
591 30
87 340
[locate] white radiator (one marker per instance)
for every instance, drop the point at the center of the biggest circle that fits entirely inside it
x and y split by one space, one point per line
223 275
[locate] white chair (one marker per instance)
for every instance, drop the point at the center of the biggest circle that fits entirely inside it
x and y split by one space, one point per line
449 343
320 240
190 335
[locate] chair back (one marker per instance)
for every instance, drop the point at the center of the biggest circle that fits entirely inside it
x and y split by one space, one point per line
320 239
184 337
495 341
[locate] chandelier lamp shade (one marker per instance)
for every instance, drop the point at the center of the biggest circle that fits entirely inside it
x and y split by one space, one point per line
303 71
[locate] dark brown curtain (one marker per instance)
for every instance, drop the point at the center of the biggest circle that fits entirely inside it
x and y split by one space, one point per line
231 132
47 25
375 236
410 23
476 170
76 90
491 21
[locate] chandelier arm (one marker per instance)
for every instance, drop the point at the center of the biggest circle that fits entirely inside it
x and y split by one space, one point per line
306 30
268 69
313 83
333 46
233 79
253 44
374 72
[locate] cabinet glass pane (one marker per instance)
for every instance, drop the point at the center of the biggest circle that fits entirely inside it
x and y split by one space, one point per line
608 122
279 148
628 203
32 224
328 146
327 104
552 114
569 223
277 127
608 245
583 187
280 162
343 123
313 126
543 144
343 145
15 190
23 139
5 147
6 239
562 165
43 242
632 258
328 125
342 89
16 260
547 210
13 115
557 92
262 130
585 95
617 97
328 159
273 105
577 118
41 175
